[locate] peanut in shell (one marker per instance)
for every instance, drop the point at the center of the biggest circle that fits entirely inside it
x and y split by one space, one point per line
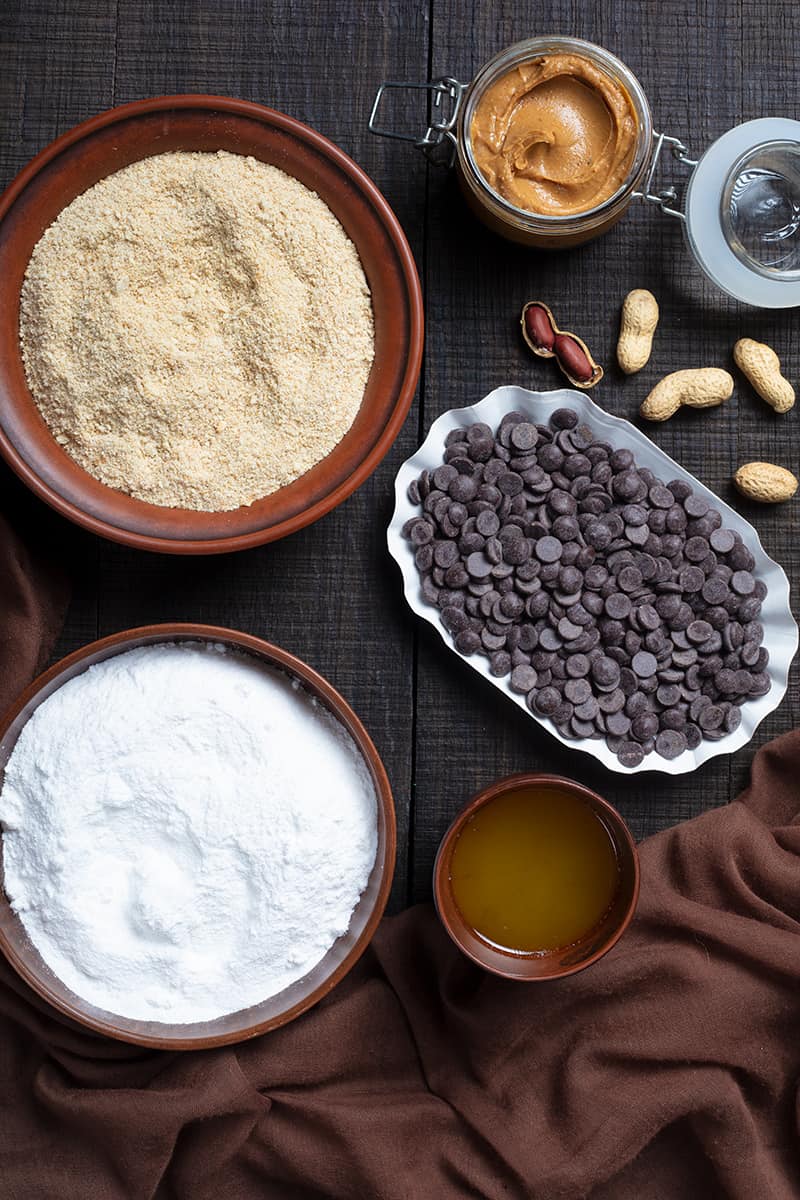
544 338
762 367
638 323
765 482
701 388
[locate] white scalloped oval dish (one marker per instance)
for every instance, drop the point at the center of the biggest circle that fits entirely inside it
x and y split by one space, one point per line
780 630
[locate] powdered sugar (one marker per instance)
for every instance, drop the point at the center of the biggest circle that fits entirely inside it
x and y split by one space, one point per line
186 832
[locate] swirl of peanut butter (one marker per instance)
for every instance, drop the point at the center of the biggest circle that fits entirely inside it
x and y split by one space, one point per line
555 135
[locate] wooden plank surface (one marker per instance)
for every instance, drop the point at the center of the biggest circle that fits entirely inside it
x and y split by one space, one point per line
330 593
700 79
326 593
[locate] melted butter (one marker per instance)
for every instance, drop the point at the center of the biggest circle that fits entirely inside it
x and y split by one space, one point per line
534 870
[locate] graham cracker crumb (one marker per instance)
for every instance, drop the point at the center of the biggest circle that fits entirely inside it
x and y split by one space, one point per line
197 330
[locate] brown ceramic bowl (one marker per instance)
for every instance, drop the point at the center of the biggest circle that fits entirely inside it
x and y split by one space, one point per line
553 964
286 1005
112 140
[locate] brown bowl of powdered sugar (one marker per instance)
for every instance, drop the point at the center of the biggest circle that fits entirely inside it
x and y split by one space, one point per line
210 325
198 836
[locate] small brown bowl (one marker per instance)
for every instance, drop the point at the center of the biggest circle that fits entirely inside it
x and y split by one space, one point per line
301 995
114 139
551 964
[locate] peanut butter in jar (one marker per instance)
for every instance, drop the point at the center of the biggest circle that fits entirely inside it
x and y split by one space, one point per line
554 138
555 135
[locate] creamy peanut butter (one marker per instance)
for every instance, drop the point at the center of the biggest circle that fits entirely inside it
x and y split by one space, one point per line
555 135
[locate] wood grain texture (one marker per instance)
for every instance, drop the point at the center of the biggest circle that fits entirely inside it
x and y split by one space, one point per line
326 593
704 67
330 593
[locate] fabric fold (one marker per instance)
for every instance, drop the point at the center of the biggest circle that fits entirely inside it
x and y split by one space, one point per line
33 598
667 1070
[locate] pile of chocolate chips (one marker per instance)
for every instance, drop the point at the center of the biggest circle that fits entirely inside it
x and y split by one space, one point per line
619 605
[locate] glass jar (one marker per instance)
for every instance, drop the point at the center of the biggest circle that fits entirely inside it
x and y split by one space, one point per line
449 137
740 210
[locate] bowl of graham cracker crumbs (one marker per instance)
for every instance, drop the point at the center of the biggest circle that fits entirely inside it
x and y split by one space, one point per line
211 328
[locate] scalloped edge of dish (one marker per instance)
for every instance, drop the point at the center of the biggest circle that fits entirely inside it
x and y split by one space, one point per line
780 628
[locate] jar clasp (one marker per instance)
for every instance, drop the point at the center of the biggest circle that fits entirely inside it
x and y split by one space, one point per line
439 141
668 197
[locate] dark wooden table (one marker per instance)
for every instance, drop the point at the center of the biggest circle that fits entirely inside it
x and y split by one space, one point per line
330 593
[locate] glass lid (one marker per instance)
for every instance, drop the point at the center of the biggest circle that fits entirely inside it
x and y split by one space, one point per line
743 212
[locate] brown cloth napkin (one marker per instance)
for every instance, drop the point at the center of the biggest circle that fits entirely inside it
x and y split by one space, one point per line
668 1070
33 597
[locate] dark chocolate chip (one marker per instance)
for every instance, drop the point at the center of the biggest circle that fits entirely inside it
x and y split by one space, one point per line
695 505
463 489
445 554
644 726
549 640
742 583
548 549
661 496
629 579
420 533
722 540
605 671
559 559
524 436
467 642
691 579
588 710
546 701
479 565
668 694
487 523
673 718
618 605
611 702
618 724
510 484
699 632
695 549
630 754
577 690
715 591
740 558
670 743
499 662
644 664
523 679
710 717
733 718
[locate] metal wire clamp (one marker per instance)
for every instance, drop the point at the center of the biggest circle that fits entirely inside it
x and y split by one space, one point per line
445 101
668 197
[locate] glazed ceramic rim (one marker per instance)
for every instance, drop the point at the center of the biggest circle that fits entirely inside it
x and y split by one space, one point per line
317 686
379 449
620 835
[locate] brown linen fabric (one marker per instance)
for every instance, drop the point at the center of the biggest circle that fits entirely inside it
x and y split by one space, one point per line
33 597
668 1070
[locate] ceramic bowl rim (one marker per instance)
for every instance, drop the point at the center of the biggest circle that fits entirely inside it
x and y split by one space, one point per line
317 685
616 825
302 133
